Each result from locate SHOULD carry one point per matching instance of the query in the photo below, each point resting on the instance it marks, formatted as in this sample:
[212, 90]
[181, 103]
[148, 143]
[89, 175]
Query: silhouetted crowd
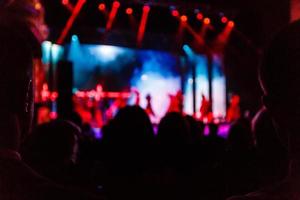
[131, 161]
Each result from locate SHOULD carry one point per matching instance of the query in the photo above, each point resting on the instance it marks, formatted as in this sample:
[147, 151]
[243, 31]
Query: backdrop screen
[153, 72]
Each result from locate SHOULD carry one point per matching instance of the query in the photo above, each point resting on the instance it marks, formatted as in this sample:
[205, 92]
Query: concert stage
[136, 73]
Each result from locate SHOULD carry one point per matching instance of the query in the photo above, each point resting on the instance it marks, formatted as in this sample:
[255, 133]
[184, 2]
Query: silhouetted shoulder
[285, 190]
[18, 181]
[252, 196]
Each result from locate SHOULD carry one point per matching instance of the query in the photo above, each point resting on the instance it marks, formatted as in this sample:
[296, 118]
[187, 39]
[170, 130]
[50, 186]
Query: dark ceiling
[254, 20]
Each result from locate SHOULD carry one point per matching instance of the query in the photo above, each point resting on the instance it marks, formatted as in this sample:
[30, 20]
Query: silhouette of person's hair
[52, 143]
[127, 153]
[131, 126]
[196, 128]
[173, 129]
[128, 136]
[15, 86]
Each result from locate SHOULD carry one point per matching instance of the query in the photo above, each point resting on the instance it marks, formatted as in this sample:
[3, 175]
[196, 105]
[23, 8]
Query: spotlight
[199, 16]
[74, 38]
[231, 24]
[116, 4]
[65, 2]
[146, 8]
[144, 77]
[206, 21]
[101, 7]
[175, 13]
[38, 6]
[184, 18]
[129, 11]
[224, 20]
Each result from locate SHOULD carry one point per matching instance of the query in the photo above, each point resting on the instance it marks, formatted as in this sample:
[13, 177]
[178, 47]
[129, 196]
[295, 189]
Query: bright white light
[46, 46]
[159, 87]
[144, 77]
[219, 96]
[57, 52]
[107, 53]
[202, 88]
[74, 38]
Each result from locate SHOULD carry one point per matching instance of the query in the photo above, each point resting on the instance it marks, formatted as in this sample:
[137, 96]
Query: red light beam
[185, 25]
[143, 23]
[198, 38]
[112, 14]
[70, 21]
[223, 38]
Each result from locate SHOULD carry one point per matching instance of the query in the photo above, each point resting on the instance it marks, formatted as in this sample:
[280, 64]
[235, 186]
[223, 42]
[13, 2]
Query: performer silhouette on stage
[149, 109]
[234, 111]
[205, 109]
[137, 96]
[176, 102]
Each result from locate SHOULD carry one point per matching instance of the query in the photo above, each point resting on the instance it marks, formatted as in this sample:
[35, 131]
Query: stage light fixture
[116, 4]
[146, 8]
[129, 11]
[74, 38]
[184, 18]
[199, 16]
[224, 20]
[231, 24]
[175, 13]
[102, 7]
[38, 6]
[206, 21]
[65, 2]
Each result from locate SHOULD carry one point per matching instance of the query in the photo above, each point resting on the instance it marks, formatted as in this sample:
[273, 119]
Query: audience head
[53, 143]
[213, 130]
[196, 128]
[131, 126]
[18, 47]
[173, 129]
[280, 79]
